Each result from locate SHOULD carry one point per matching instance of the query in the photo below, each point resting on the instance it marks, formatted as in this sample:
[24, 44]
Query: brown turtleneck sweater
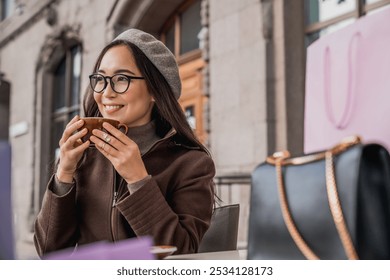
[144, 136]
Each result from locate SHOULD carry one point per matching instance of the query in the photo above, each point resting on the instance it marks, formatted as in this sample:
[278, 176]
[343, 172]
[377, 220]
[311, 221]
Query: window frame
[174, 21]
[65, 113]
[361, 9]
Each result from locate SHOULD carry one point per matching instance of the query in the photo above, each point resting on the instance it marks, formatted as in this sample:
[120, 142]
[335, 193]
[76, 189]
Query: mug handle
[125, 127]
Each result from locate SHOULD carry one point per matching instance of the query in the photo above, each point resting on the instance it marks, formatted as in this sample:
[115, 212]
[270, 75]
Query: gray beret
[158, 54]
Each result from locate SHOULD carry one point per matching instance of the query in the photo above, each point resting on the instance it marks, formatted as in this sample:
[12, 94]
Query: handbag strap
[335, 208]
[288, 220]
[282, 158]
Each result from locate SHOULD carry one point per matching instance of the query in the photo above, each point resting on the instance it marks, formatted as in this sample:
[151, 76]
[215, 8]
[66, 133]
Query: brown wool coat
[174, 206]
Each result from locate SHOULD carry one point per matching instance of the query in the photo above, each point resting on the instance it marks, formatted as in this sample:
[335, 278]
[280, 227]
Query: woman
[157, 180]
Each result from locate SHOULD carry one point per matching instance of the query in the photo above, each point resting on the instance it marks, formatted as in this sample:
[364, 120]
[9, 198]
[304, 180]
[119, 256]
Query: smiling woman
[156, 180]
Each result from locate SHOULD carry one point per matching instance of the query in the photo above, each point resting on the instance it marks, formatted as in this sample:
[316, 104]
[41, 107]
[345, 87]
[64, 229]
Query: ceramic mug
[92, 123]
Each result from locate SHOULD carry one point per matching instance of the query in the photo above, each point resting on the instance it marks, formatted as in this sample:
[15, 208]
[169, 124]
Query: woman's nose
[109, 91]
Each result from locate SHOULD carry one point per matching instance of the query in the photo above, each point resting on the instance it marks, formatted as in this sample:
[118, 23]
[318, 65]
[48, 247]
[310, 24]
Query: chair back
[223, 231]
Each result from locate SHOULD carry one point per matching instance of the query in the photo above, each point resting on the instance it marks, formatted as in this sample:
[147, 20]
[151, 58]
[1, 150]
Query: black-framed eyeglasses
[119, 82]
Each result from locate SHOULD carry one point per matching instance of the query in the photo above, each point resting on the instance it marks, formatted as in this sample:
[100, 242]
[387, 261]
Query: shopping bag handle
[345, 118]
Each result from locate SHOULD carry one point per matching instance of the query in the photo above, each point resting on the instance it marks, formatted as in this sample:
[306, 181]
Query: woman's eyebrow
[124, 70]
[118, 71]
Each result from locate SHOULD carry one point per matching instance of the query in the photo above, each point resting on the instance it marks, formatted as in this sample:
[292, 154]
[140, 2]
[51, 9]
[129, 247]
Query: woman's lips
[112, 108]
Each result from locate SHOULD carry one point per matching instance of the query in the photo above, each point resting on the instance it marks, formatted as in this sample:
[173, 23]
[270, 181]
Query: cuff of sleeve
[59, 188]
[137, 185]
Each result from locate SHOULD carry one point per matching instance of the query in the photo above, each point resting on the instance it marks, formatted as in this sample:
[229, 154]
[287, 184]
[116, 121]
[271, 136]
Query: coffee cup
[92, 123]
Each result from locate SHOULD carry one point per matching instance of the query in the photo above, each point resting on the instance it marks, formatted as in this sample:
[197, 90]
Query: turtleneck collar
[144, 136]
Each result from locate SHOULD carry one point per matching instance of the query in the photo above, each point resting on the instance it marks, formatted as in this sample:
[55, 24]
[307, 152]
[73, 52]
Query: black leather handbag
[333, 204]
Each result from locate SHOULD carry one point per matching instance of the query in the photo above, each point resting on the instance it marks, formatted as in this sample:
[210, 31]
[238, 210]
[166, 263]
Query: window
[66, 95]
[6, 8]
[189, 28]
[180, 34]
[325, 16]
[5, 89]
[190, 115]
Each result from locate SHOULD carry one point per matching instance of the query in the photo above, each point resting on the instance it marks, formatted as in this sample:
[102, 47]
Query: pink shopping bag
[348, 84]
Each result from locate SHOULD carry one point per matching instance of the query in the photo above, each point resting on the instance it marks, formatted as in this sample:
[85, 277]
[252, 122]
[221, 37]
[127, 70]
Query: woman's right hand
[71, 149]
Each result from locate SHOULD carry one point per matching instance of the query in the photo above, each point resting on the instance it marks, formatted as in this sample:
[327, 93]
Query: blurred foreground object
[6, 232]
[127, 249]
[333, 204]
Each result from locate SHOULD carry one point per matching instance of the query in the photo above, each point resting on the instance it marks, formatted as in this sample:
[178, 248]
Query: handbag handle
[335, 208]
[348, 108]
[279, 159]
[288, 220]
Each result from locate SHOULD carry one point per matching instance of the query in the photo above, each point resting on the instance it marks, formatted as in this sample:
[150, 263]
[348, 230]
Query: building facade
[242, 65]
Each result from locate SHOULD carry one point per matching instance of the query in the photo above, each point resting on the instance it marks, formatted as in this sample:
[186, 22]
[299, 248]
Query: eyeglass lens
[119, 83]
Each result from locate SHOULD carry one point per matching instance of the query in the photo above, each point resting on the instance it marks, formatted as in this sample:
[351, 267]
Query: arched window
[58, 101]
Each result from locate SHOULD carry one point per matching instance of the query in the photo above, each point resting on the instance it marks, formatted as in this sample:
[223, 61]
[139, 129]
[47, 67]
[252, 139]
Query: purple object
[6, 232]
[128, 249]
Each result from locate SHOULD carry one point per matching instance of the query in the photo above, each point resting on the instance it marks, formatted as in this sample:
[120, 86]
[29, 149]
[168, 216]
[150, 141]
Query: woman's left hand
[121, 151]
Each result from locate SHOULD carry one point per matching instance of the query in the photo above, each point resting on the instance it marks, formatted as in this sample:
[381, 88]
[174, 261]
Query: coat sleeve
[56, 224]
[182, 218]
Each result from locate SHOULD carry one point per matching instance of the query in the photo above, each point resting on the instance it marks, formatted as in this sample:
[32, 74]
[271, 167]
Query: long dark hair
[166, 112]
